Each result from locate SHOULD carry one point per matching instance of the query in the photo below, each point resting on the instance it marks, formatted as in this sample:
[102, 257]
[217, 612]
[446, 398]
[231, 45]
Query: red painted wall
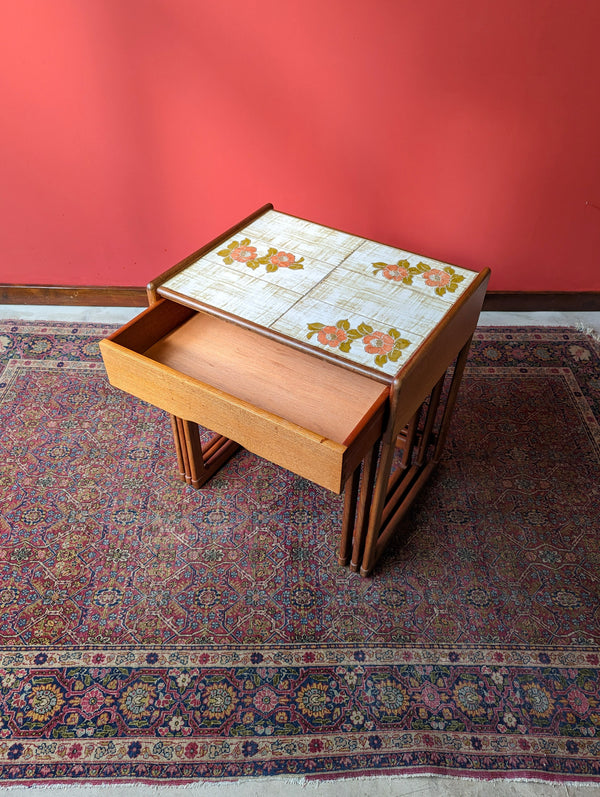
[134, 130]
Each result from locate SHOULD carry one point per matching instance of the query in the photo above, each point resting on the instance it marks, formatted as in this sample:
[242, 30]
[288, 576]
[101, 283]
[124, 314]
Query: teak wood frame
[407, 411]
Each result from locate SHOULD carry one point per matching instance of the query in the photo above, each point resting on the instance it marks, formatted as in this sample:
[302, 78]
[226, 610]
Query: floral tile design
[371, 303]
[384, 346]
[365, 340]
[441, 279]
[422, 274]
[243, 252]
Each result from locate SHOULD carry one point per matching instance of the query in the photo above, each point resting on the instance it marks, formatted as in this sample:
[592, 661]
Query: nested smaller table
[328, 354]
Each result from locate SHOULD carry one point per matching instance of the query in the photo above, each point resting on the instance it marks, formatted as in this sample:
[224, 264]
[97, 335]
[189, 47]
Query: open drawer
[295, 409]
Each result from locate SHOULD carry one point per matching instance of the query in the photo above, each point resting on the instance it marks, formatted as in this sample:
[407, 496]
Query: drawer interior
[303, 389]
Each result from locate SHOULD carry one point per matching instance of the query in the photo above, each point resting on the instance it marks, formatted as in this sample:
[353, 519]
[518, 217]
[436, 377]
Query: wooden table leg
[184, 451]
[203, 461]
[349, 519]
[178, 448]
[394, 494]
[366, 496]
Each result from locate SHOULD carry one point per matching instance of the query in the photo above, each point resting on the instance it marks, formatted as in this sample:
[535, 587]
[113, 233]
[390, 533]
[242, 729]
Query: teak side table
[334, 356]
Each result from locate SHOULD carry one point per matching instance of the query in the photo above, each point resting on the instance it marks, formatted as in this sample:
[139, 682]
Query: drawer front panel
[312, 456]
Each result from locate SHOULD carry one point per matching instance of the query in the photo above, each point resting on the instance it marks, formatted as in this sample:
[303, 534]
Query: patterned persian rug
[152, 632]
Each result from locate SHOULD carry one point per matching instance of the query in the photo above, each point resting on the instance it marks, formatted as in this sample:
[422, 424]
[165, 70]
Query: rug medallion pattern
[152, 632]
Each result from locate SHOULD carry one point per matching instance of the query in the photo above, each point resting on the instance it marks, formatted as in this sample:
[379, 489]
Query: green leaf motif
[343, 324]
[296, 266]
[245, 242]
[365, 329]
[393, 333]
[316, 327]
[345, 346]
[271, 267]
[395, 355]
[381, 360]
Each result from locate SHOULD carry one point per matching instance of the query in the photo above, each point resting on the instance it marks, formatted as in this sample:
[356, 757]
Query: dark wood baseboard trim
[75, 295]
[542, 301]
[500, 301]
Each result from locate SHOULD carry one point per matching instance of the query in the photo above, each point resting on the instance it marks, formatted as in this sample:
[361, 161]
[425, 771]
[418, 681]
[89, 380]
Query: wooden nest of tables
[326, 353]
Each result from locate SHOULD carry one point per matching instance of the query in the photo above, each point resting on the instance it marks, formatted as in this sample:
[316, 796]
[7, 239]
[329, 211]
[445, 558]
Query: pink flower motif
[92, 701]
[436, 278]
[191, 750]
[378, 343]
[283, 259]
[265, 700]
[579, 702]
[394, 271]
[75, 751]
[331, 336]
[431, 698]
[243, 253]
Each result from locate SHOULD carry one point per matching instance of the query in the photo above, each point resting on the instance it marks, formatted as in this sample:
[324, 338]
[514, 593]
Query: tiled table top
[368, 303]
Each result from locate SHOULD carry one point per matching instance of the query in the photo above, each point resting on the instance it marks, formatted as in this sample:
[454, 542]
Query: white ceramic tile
[237, 293]
[351, 335]
[389, 303]
[309, 239]
[306, 271]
